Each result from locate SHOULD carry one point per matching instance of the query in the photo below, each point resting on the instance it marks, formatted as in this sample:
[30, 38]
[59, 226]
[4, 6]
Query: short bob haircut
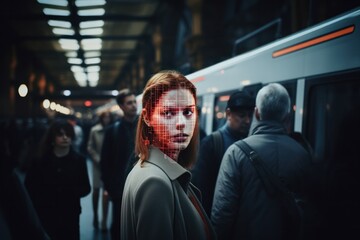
[157, 85]
[53, 131]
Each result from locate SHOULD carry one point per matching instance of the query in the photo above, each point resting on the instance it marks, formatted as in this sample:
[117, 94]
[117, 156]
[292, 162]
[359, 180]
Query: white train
[320, 68]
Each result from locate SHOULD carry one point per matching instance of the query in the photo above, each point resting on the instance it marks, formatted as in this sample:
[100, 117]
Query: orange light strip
[198, 79]
[314, 41]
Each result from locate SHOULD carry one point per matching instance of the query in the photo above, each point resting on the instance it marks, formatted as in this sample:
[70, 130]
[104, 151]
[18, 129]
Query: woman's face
[62, 139]
[173, 120]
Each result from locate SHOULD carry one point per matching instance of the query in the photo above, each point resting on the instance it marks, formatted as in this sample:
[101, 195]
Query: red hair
[157, 85]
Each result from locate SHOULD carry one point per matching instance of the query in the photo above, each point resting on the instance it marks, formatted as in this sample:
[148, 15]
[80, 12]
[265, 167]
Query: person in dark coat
[18, 218]
[57, 181]
[117, 148]
[242, 209]
[239, 111]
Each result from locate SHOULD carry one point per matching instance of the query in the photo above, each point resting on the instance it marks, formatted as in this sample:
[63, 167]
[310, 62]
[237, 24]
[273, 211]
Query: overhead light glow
[46, 103]
[69, 44]
[23, 90]
[91, 44]
[114, 92]
[62, 24]
[86, 3]
[67, 92]
[93, 77]
[72, 54]
[56, 12]
[63, 31]
[76, 69]
[75, 61]
[91, 12]
[91, 31]
[92, 24]
[92, 60]
[92, 54]
[61, 3]
[95, 68]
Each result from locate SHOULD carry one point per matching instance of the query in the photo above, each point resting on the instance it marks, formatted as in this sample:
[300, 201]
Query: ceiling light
[92, 24]
[62, 24]
[76, 69]
[72, 54]
[56, 12]
[93, 84]
[92, 54]
[67, 92]
[92, 60]
[93, 77]
[80, 76]
[74, 60]
[91, 31]
[92, 12]
[86, 3]
[95, 68]
[62, 31]
[61, 3]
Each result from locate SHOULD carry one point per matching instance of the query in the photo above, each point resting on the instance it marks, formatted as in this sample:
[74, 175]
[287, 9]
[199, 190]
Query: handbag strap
[271, 182]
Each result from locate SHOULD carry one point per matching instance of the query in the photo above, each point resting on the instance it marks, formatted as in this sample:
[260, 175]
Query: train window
[291, 89]
[220, 110]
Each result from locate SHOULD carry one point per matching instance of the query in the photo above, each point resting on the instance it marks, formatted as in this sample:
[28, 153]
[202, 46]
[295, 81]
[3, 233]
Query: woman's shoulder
[149, 173]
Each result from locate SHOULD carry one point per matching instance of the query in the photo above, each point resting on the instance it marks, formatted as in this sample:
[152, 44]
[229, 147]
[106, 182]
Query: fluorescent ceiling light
[91, 24]
[67, 92]
[87, 3]
[74, 61]
[56, 12]
[91, 31]
[80, 76]
[92, 54]
[69, 44]
[95, 68]
[92, 61]
[81, 83]
[76, 69]
[93, 77]
[72, 54]
[61, 3]
[62, 24]
[93, 84]
[92, 12]
[63, 31]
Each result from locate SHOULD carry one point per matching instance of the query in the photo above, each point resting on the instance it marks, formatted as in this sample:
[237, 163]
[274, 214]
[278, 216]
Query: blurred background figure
[57, 181]
[18, 218]
[94, 146]
[79, 134]
[117, 150]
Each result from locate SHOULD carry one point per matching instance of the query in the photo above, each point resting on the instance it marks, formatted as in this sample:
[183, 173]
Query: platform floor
[87, 231]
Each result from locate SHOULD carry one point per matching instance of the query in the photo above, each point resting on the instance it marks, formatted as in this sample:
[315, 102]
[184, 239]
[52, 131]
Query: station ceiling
[118, 30]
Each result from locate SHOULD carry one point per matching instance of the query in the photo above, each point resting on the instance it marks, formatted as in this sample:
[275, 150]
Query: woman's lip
[180, 138]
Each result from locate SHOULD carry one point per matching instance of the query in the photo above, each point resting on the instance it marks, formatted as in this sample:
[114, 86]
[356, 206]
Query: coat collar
[171, 168]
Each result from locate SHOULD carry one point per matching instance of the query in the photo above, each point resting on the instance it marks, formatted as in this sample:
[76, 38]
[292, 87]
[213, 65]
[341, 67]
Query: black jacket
[242, 209]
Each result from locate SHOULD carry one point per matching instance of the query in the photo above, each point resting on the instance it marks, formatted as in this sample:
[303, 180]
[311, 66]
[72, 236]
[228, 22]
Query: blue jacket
[242, 209]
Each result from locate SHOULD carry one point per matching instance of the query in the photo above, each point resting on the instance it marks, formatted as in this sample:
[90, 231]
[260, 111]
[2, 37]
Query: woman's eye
[168, 113]
[188, 112]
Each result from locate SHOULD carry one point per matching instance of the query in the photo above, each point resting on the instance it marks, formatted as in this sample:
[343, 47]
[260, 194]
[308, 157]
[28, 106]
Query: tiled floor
[87, 231]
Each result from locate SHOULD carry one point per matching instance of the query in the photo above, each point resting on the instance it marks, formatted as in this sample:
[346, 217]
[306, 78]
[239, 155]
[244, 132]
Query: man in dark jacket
[117, 147]
[239, 111]
[242, 209]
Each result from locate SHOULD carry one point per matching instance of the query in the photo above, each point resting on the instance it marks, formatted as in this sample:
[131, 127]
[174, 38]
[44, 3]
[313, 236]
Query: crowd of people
[163, 180]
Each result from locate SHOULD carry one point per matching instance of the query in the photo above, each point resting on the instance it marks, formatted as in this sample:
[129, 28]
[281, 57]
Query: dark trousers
[116, 215]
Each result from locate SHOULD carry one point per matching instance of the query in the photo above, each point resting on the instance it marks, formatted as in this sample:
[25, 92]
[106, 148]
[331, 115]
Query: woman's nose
[180, 124]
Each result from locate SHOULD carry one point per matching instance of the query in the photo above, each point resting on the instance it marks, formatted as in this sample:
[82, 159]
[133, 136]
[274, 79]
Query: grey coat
[241, 208]
[156, 203]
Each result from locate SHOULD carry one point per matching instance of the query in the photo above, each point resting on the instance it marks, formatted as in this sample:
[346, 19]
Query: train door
[332, 126]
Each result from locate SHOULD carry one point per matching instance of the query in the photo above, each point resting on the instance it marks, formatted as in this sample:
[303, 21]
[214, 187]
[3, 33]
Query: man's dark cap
[240, 100]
